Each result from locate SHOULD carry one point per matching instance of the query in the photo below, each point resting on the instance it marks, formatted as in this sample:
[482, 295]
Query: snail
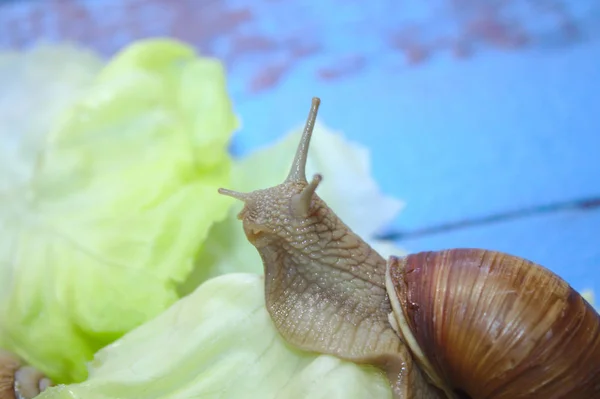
[456, 323]
[19, 381]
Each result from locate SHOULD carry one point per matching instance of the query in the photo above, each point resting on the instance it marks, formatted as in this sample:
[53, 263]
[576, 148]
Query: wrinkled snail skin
[451, 324]
[318, 302]
[324, 286]
[19, 381]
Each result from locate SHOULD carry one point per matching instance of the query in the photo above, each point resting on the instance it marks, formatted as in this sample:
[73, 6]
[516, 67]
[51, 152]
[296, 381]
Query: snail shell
[19, 381]
[485, 324]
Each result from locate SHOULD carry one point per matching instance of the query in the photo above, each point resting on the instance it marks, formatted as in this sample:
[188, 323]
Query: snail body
[460, 323]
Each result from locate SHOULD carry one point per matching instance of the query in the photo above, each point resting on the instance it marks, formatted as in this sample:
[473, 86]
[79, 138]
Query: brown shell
[491, 325]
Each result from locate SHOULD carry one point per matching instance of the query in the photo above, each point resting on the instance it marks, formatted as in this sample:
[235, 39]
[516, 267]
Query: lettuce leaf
[108, 196]
[347, 185]
[588, 295]
[28, 89]
[218, 342]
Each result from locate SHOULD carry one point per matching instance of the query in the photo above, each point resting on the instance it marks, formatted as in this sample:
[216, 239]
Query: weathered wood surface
[483, 116]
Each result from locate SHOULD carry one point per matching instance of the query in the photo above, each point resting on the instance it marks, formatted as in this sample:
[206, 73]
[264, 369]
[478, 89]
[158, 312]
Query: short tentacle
[301, 202]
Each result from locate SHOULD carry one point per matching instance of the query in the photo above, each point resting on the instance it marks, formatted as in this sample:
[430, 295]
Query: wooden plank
[495, 134]
[565, 242]
[466, 116]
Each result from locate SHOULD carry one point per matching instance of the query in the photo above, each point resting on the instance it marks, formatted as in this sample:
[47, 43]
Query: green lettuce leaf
[108, 196]
[347, 185]
[588, 295]
[218, 342]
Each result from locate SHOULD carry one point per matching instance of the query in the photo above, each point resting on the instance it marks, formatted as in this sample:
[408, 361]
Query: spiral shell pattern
[490, 325]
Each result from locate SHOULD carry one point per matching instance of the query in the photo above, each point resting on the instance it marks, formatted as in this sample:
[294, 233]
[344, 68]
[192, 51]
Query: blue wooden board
[459, 140]
[472, 110]
[557, 241]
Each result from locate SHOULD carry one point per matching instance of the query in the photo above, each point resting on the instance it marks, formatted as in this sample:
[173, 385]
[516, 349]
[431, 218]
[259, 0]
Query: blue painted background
[484, 116]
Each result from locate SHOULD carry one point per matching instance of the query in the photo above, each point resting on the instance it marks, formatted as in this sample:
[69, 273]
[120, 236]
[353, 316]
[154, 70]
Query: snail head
[281, 212]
